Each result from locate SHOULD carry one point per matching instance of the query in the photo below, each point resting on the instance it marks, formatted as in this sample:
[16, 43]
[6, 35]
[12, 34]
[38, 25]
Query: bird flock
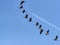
[37, 23]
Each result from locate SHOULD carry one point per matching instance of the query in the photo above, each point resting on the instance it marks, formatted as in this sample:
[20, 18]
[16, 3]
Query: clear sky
[16, 30]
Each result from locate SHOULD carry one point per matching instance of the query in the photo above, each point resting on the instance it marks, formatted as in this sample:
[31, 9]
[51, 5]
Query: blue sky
[16, 30]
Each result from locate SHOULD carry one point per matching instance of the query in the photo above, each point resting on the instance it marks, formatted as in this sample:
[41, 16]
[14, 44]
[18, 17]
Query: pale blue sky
[16, 30]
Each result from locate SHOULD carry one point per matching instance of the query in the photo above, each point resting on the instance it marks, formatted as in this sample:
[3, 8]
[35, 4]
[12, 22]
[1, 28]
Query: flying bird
[26, 16]
[40, 26]
[41, 31]
[22, 2]
[56, 38]
[23, 11]
[47, 32]
[30, 19]
[20, 7]
[37, 24]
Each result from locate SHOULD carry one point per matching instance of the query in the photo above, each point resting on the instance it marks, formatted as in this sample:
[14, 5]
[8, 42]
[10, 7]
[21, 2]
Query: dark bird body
[56, 38]
[41, 31]
[47, 32]
[37, 24]
[23, 11]
[26, 16]
[20, 7]
[22, 2]
[30, 19]
[40, 26]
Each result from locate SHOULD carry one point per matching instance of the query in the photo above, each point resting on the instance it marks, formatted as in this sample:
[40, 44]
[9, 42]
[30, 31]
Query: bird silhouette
[37, 24]
[22, 2]
[56, 38]
[23, 11]
[41, 31]
[30, 19]
[20, 7]
[40, 26]
[26, 16]
[47, 32]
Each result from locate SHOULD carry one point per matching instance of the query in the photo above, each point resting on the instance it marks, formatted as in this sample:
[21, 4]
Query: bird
[41, 31]
[20, 7]
[22, 2]
[23, 11]
[37, 24]
[30, 19]
[26, 16]
[47, 32]
[40, 26]
[56, 38]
